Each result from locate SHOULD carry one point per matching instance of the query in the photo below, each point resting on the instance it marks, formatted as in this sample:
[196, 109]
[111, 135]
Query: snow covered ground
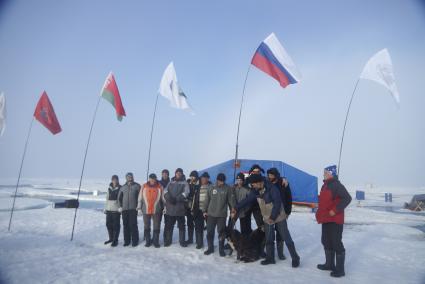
[384, 243]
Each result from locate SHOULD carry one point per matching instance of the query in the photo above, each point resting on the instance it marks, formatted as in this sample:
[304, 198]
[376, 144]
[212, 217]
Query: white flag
[379, 68]
[170, 89]
[2, 114]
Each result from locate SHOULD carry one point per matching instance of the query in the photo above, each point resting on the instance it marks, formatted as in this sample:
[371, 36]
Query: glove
[120, 209]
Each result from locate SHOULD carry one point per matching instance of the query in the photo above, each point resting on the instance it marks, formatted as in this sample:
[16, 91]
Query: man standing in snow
[199, 197]
[333, 199]
[193, 185]
[175, 195]
[128, 198]
[218, 199]
[165, 180]
[111, 211]
[268, 197]
[150, 205]
[273, 176]
[241, 192]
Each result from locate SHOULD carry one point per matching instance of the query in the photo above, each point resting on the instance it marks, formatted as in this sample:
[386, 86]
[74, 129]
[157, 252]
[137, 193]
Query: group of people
[196, 204]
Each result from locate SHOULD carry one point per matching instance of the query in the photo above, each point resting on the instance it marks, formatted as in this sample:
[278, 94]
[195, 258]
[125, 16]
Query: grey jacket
[218, 199]
[128, 196]
[240, 193]
[111, 204]
[175, 196]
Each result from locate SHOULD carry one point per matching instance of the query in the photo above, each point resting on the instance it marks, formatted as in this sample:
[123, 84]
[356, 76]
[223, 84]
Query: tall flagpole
[239, 124]
[345, 124]
[84, 164]
[150, 141]
[20, 171]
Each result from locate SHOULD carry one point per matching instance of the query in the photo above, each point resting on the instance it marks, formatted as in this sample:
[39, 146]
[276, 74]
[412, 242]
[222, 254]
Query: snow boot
[155, 239]
[148, 240]
[182, 237]
[221, 248]
[210, 249]
[269, 255]
[279, 246]
[294, 255]
[330, 261]
[339, 267]
[199, 239]
[111, 237]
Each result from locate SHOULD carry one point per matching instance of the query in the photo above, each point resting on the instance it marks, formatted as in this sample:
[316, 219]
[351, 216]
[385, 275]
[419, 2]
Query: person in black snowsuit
[199, 195]
[165, 180]
[111, 210]
[193, 182]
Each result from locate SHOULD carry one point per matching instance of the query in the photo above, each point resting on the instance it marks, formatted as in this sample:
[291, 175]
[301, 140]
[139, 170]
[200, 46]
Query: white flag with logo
[379, 68]
[170, 89]
[2, 114]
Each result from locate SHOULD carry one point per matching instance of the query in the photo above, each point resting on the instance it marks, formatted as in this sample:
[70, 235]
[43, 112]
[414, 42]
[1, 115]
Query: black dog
[248, 247]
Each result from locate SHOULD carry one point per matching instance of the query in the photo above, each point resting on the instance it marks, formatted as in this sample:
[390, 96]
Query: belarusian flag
[111, 94]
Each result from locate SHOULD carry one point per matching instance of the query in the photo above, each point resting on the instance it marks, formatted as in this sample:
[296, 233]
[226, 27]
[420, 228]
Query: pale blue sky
[68, 47]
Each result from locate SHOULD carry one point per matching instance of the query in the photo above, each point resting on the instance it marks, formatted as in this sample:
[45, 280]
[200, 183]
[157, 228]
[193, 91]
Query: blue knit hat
[332, 170]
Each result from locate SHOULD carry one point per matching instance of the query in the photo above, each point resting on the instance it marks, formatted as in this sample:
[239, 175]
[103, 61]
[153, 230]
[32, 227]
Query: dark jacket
[112, 203]
[286, 195]
[333, 196]
[270, 194]
[175, 195]
[128, 196]
[164, 182]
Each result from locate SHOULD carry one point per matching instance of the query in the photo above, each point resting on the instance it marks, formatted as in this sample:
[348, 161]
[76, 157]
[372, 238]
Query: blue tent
[303, 185]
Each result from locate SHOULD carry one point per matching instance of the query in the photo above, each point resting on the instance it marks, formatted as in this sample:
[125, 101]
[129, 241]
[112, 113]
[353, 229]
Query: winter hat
[332, 170]
[152, 176]
[256, 166]
[179, 170]
[240, 176]
[273, 171]
[221, 177]
[165, 171]
[129, 175]
[205, 175]
[194, 174]
[254, 178]
[115, 177]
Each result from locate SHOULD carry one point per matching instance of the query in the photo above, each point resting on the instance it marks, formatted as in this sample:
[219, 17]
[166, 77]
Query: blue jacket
[270, 195]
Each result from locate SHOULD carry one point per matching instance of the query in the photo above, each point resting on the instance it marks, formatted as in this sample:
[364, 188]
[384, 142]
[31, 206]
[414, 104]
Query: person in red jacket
[333, 199]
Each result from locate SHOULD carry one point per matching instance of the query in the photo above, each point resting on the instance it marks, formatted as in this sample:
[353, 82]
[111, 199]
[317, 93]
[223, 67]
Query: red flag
[45, 114]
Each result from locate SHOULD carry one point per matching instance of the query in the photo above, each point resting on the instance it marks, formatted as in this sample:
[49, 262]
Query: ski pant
[190, 224]
[113, 225]
[155, 218]
[131, 231]
[332, 237]
[212, 223]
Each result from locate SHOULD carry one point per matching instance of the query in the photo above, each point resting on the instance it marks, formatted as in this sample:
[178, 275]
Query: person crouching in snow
[218, 199]
[111, 211]
[150, 205]
[333, 199]
[127, 198]
[269, 199]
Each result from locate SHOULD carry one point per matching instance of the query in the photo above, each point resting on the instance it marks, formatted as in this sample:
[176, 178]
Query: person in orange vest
[333, 200]
[150, 205]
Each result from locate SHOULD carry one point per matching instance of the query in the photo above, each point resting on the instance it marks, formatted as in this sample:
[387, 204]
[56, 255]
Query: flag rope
[84, 164]
[19, 175]
[239, 124]
[345, 124]
[150, 141]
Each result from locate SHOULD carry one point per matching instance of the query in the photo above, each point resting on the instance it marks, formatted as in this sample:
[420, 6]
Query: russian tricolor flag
[273, 59]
